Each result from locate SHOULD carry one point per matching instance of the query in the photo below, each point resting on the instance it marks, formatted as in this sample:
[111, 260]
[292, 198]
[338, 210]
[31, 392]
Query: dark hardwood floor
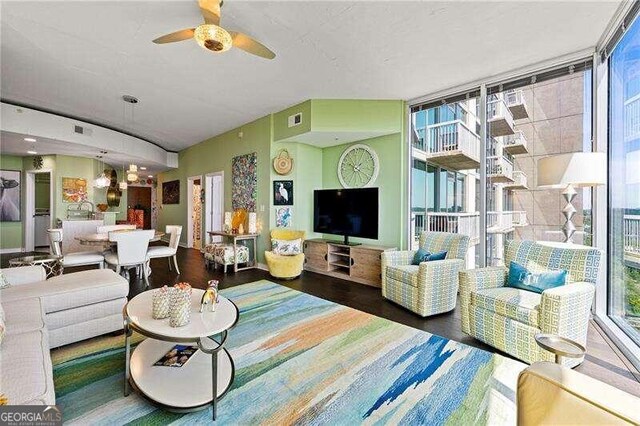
[603, 360]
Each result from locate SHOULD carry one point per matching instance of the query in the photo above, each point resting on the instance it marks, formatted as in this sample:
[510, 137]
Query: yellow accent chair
[285, 267]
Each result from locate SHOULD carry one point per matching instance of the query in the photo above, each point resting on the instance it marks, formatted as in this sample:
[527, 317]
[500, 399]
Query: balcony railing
[515, 144]
[499, 169]
[499, 222]
[631, 232]
[452, 145]
[519, 181]
[499, 118]
[519, 218]
[517, 104]
[457, 223]
[632, 118]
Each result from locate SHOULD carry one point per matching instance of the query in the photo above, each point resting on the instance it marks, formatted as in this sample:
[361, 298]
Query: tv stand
[347, 243]
[353, 262]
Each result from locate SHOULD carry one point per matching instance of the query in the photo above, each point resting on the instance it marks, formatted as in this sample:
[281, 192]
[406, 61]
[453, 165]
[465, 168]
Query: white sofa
[41, 314]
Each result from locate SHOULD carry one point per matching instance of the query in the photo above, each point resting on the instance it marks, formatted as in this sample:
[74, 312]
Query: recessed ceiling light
[30, 140]
[143, 168]
[150, 176]
[32, 152]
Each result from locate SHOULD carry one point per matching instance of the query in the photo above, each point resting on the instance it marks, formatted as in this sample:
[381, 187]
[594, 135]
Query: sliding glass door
[624, 184]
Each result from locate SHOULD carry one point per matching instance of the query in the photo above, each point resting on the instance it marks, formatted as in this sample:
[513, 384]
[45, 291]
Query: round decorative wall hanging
[358, 166]
[283, 163]
[38, 162]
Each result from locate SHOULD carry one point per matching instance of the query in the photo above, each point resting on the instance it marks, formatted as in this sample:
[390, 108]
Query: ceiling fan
[213, 37]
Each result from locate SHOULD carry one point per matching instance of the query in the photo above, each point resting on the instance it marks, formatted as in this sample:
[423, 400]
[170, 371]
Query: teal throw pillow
[424, 256]
[523, 279]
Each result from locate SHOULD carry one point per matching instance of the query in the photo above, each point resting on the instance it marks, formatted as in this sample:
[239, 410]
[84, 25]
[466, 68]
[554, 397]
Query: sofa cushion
[520, 305]
[72, 290]
[404, 273]
[25, 363]
[24, 315]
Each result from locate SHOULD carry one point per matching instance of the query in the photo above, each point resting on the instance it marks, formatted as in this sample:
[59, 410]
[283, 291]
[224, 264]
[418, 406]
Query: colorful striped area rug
[300, 359]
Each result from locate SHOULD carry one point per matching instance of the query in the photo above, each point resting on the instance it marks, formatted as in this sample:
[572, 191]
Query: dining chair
[131, 251]
[82, 258]
[105, 229]
[174, 232]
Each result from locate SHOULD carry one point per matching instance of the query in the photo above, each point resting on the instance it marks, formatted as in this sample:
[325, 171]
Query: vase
[180, 311]
[161, 301]
[253, 223]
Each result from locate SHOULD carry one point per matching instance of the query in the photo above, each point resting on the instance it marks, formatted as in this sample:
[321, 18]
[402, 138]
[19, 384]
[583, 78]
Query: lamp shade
[579, 169]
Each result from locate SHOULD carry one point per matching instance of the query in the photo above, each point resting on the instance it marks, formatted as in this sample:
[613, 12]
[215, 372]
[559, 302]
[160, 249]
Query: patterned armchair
[431, 287]
[508, 318]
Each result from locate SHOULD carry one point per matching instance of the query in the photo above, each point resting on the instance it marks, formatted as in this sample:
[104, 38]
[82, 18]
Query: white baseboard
[12, 250]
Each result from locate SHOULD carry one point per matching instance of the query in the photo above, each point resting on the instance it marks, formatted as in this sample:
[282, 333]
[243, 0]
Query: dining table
[103, 239]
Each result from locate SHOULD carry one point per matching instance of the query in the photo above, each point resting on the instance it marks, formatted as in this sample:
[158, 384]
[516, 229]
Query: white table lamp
[568, 171]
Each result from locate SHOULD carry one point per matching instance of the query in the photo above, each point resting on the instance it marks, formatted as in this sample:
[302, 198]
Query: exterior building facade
[524, 124]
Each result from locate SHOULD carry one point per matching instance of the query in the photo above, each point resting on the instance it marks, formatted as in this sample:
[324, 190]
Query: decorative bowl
[102, 207]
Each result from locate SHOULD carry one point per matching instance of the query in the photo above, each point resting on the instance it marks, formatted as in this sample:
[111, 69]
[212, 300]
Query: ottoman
[222, 254]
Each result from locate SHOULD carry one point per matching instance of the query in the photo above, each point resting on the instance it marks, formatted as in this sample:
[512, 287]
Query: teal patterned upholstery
[431, 287]
[509, 319]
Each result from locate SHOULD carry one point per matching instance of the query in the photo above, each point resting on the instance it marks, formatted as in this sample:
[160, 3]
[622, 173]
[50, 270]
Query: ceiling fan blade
[177, 36]
[246, 43]
[210, 10]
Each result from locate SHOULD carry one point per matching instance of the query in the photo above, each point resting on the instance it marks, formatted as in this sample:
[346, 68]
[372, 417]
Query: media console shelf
[355, 263]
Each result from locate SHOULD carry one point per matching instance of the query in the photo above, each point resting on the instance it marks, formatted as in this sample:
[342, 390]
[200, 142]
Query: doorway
[38, 200]
[194, 212]
[139, 198]
[214, 203]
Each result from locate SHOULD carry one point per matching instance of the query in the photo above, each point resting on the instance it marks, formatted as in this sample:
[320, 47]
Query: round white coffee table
[209, 372]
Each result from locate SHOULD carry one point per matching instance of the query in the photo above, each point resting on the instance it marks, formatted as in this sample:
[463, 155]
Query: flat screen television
[346, 212]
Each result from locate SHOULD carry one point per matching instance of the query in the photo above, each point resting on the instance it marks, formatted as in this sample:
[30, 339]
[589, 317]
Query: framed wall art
[171, 192]
[282, 192]
[10, 208]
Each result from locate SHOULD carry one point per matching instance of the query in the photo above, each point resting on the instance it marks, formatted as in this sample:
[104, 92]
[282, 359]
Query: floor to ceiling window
[549, 116]
[445, 155]
[624, 184]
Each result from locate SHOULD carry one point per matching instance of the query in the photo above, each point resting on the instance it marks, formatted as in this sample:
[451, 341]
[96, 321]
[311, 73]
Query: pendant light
[132, 173]
[102, 181]
[123, 182]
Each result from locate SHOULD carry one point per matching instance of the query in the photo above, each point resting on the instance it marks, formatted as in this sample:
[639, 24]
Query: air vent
[295, 119]
[82, 130]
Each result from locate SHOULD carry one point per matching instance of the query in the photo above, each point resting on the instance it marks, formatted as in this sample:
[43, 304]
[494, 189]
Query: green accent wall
[281, 129]
[11, 232]
[214, 155]
[306, 176]
[392, 206]
[314, 167]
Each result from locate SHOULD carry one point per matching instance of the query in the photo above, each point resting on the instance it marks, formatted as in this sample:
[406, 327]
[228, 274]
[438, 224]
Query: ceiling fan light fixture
[213, 38]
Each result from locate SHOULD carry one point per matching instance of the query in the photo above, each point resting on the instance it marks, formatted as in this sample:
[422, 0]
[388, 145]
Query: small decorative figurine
[210, 296]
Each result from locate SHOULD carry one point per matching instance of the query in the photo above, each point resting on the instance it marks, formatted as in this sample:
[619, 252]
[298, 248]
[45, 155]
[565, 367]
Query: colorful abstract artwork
[74, 190]
[10, 196]
[171, 192]
[283, 217]
[244, 182]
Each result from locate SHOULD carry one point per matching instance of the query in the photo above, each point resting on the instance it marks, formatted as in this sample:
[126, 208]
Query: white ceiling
[14, 144]
[79, 58]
